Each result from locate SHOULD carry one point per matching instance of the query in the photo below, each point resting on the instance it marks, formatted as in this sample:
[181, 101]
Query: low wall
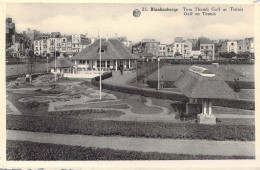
[90, 76]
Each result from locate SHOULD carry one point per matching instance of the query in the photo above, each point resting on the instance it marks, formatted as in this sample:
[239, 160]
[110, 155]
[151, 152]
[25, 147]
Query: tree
[29, 53]
[227, 55]
[57, 53]
[9, 52]
[65, 55]
[200, 57]
[244, 55]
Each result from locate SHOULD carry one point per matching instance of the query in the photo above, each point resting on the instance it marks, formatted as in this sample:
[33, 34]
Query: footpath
[192, 147]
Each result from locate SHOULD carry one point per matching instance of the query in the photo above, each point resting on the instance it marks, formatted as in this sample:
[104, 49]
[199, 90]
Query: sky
[118, 19]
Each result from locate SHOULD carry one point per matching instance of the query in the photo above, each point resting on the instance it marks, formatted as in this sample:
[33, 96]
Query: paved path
[11, 109]
[118, 79]
[193, 147]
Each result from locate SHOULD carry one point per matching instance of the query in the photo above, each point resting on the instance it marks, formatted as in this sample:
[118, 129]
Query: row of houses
[201, 48]
[86, 63]
[237, 46]
[68, 45]
[179, 49]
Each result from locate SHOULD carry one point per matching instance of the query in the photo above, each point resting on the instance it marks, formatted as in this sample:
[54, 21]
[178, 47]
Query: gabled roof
[61, 63]
[114, 50]
[194, 85]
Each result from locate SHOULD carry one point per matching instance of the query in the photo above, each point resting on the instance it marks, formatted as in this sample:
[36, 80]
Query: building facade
[113, 53]
[245, 45]
[162, 50]
[207, 51]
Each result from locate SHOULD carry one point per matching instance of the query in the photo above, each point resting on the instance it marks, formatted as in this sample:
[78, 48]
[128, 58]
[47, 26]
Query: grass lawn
[137, 102]
[20, 150]
[247, 94]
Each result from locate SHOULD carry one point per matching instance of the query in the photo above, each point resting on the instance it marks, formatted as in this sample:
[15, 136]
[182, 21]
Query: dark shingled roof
[61, 63]
[114, 50]
[194, 85]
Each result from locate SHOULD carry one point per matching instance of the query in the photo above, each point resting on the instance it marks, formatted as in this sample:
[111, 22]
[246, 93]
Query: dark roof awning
[196, 85]
[114, 50]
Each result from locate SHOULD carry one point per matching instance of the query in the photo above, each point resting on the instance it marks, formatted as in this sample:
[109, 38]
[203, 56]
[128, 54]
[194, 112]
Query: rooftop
[114, 50]
[200, 82]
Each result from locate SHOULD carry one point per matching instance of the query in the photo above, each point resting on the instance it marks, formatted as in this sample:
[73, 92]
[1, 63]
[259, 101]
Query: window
[232, 43]
[82, 61]
[202, 47]
[108, 63]
[177, 45]
[207, 47]
[239, 47]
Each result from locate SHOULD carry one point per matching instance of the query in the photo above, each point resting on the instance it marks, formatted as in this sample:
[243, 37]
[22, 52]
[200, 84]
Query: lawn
[139, 107]
[20, 150]
[247, 94]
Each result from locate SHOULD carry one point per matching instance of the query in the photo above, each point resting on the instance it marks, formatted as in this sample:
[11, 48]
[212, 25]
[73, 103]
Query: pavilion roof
[114, 49]
[195, 85]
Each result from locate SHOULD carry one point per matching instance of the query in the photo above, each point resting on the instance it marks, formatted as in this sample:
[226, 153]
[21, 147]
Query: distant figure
[30, 78]
[27, 77]
[162, 83]
[121, 69]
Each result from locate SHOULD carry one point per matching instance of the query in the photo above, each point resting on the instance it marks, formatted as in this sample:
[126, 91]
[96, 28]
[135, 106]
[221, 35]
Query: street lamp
[158, 73]
[227, 60]
[47, 64]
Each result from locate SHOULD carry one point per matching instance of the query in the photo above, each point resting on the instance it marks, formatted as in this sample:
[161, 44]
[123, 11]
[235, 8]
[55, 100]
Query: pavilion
[201, 85]
[113, 54]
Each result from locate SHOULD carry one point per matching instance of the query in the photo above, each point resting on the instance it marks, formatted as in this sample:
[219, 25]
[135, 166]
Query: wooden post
[210, 108]
[116, 65]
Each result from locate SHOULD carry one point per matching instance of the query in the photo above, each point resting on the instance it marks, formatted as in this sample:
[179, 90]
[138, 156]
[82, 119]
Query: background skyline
[118, 18]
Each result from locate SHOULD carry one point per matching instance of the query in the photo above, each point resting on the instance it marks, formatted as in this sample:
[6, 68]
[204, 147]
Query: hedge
[240, 104]
[170, 84]
[188, 62]
[242, 84]
[65, 125]
[166, 84]
[23, 150]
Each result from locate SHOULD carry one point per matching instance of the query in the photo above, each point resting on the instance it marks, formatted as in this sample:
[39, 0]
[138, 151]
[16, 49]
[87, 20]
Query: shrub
[23, 150]
[65, 125]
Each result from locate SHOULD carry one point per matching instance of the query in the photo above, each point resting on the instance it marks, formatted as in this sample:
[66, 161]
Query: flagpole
[55, 73]
[100, 85]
